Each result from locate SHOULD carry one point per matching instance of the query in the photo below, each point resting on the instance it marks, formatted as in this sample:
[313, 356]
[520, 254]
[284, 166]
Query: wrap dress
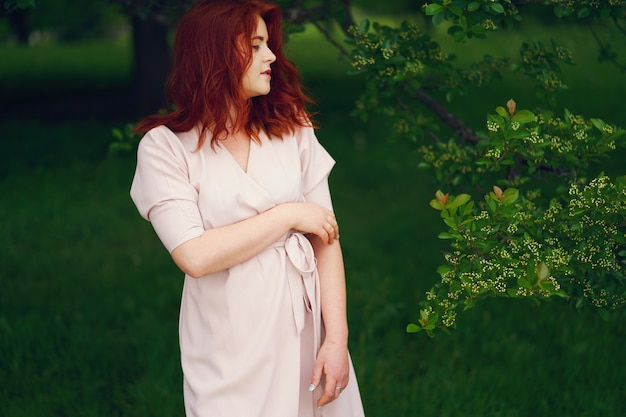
[248, 334]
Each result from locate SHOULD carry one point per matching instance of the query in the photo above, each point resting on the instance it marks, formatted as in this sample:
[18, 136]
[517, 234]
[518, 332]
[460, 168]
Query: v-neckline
[236, 161]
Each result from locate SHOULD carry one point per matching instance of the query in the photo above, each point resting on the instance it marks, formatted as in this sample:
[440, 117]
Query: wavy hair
[211, 54]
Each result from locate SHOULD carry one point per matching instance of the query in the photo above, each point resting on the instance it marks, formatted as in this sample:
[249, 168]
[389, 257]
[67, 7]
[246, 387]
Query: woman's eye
[256, 47]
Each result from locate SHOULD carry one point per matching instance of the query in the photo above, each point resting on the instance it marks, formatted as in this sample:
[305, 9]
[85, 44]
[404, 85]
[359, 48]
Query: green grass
[89, 297]
[76, 311]
[63, 68]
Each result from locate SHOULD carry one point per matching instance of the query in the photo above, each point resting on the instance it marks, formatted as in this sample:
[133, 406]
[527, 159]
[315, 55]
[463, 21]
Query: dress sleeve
[161, 189]
[316, 165]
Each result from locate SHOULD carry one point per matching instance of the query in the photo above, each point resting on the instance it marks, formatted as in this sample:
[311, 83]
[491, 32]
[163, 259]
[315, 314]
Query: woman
[235, 184]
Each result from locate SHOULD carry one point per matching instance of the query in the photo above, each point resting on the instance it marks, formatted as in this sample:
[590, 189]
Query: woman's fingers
[332, 227]
[332, 231]
[331, 366]
[332, 390]
[328, 227]
[318, 220]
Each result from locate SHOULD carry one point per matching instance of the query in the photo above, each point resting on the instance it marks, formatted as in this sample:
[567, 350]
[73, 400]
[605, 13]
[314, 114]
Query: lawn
[89, 298]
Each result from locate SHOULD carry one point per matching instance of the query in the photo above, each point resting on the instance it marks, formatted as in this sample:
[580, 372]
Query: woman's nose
[270, 56]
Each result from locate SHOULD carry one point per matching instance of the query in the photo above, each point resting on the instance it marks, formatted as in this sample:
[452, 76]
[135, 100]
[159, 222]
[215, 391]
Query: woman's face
[256, 79]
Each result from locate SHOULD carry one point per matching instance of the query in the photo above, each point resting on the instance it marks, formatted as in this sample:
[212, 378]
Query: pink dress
[248, 334]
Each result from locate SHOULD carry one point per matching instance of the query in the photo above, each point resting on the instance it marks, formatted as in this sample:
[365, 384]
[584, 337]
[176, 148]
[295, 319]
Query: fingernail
[311, 387]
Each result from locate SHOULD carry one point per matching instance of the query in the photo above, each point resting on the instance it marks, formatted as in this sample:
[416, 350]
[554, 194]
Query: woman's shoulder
[301, 133]
[163, 137]
[305, 136]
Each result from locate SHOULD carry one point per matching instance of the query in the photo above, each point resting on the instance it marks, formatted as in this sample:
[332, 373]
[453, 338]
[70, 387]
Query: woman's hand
[315, 219]
[333, 363]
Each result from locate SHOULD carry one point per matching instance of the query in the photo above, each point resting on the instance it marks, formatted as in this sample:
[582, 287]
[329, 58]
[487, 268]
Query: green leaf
[451, 224]
[583, 12]
[497, 7]
[599, 124]
[413, 328]
[454, 29]
[510, 196]
[605, 12]
[462, 199]
[456, 10]
[502, 112]
[543, 272]
[442, 269]
[437, 205]
[396, 60]
[459, 36]
[478, 29]
[473, 6]
[523, 116]
[120, 147]
[433, 9]
[561, 11]
[517, 134]
[467, 221]
[467, 210]
[438, 19]
[603, 313]
[117, 133]
[446, 235]
[364, 25]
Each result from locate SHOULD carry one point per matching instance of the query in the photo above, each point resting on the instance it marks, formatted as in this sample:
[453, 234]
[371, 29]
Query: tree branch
[348, 20]
[407, 109]
[619, 26]
[300, 15]
[343, 53]
[611, 58]
[456, 124]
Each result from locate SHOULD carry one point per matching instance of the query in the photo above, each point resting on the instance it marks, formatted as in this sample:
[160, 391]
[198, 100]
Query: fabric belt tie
[303, 289]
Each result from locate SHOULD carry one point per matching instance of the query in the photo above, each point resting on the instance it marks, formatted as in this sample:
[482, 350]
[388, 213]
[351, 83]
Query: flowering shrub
[570, 244]
[531, 220]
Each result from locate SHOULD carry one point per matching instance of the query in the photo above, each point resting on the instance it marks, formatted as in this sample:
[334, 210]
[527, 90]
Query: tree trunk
[18, 25]
[151, 65]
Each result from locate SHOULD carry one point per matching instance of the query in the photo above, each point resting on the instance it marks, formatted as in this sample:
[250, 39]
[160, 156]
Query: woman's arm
[223, 247]
[332, 360]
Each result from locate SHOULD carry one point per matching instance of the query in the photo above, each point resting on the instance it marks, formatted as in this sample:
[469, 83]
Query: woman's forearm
[332, 290]
[223, 247]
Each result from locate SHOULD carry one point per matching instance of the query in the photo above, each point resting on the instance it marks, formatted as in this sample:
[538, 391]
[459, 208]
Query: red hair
[212, 51]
